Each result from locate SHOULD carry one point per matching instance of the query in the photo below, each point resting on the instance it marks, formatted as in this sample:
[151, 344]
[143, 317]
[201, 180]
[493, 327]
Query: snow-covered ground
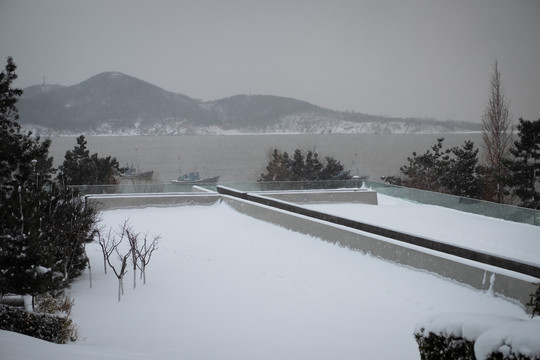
[512, 240]
[223, 285]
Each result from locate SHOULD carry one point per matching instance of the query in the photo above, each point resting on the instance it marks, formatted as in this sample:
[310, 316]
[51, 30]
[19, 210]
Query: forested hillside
[115, 103]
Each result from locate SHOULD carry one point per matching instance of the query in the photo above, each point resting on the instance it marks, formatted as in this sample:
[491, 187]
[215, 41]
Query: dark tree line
[303, 166]
[457, 170]
[508, 173]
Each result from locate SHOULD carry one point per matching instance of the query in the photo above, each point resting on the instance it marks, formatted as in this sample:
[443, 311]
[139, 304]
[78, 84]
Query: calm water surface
[243, 157]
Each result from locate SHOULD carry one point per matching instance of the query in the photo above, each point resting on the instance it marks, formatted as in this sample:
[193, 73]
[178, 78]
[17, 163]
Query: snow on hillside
[294, 124]
[223, 286]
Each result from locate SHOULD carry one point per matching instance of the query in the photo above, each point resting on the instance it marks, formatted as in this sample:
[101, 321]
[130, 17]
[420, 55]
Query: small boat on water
[193, 178]
[133, 173]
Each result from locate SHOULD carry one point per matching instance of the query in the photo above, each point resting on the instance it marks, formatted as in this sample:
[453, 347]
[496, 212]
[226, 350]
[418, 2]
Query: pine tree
[453, 171]
[76, 168]
[25, 168]
[313, 166]
[40, 223]
[26, 260]
[297, 167]
[423, 171]
[525, 165]
[81, 168]
[69, 224]
[17, 150]
[277, 168]
[281, 168]
[333, 170]
[461, 177]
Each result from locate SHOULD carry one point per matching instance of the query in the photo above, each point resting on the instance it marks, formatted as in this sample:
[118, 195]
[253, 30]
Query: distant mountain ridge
[113, 103]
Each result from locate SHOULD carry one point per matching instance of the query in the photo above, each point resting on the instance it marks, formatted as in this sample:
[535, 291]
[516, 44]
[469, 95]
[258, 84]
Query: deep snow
[223, 285]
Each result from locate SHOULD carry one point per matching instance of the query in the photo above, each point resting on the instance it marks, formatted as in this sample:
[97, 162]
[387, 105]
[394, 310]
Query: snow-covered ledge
[124, 201]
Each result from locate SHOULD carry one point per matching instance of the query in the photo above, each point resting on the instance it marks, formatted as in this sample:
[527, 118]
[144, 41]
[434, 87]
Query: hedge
[53, 328]
[475, 336]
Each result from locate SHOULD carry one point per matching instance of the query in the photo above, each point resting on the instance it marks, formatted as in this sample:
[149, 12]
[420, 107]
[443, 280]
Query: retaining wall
[123, 201]
[362, 196]
[487, 278]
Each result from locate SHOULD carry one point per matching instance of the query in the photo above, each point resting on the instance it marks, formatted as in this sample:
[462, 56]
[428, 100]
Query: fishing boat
[193, 178]
[133, 173]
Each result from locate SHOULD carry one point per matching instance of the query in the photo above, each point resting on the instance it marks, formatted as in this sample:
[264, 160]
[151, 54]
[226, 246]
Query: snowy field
[224, 286]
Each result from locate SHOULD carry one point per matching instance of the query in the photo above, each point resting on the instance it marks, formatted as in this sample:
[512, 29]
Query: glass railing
[134, 189]
[506, 212]
[486, 208]
[241, 186]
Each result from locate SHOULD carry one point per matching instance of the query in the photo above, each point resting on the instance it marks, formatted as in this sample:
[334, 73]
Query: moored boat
[133, 173]
[194, 178]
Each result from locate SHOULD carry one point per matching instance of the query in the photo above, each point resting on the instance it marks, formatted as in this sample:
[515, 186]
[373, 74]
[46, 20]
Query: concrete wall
[502, 282]
[123, 201]
[362, 196]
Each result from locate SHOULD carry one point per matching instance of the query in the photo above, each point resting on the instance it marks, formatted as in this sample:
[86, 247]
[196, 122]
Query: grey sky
[427, 58]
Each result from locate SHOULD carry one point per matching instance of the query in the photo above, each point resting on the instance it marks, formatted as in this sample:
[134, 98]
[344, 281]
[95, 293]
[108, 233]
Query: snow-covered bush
[454, 336]
[53, 328]
[435, 347]
[517, 340]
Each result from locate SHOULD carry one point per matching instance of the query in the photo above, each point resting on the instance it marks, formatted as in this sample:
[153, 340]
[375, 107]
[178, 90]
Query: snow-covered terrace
[495, 256]
[224, 285]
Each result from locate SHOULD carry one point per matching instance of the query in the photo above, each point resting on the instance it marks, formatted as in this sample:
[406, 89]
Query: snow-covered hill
[117, 104]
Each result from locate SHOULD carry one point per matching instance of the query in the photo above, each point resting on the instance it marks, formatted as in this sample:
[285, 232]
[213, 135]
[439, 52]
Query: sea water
[243, 157]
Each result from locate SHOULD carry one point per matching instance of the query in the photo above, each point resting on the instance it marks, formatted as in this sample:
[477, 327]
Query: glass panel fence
[506, 212]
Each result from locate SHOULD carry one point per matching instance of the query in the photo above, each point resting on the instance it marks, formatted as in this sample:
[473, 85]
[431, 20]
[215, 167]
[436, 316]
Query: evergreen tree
[40, 223]
[424, 171]
[297, 167]
[313, 166]
[277, 168]
[525, 165]
[24, 166]
[76, 168]
[333, 170]
[27, 259]
[81, 168]
[281, 168]
[453, 171]
[17, 150]
[67, 225]
[461, 178]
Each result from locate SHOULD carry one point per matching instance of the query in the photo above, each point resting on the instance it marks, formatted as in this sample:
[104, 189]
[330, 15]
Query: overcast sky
[407, 58]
